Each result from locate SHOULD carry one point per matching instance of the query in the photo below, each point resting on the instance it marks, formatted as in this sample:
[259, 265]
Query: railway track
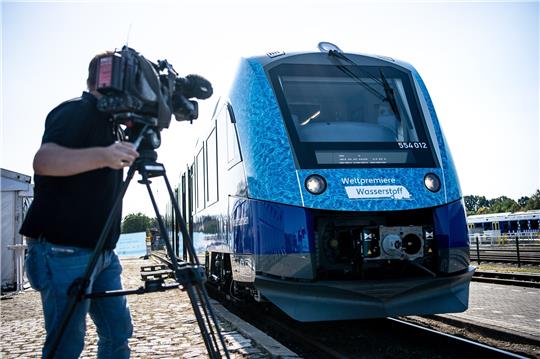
[373, 338]
[525, 254]
[517, 279]
[459, 344]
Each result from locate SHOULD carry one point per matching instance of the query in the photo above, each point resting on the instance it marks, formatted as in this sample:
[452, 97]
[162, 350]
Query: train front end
[354, 208]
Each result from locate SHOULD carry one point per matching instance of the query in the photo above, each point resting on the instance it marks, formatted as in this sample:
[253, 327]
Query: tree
[481, 205]
[503, 204]
[137, 222]
[482, 210]
[533, 202]
[522, 202]
[474, 203]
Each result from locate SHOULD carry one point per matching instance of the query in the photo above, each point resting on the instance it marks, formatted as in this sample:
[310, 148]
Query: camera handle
[191, 277]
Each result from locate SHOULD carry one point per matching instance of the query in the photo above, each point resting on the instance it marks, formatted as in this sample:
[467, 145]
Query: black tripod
[190, 276]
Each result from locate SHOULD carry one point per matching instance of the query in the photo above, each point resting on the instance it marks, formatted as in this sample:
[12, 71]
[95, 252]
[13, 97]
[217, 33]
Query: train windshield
[352, 116]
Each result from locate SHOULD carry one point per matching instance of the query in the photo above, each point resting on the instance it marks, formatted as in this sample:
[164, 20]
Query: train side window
[182, 195]
[535, 224]
[211, 168]
[513, 226]
[199, 191]
[504, 226]
[191, 188]
[233, 148]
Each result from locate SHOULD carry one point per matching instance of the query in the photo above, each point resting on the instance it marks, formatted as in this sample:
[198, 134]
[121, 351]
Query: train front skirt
[341, 300]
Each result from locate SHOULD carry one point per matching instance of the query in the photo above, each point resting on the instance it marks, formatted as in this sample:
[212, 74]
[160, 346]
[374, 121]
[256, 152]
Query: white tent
[17, 192]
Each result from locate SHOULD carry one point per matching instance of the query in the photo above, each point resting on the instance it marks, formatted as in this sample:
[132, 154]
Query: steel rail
[509, 253]
[477, 348]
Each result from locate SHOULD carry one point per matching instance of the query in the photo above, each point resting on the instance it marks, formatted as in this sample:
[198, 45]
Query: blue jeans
[51, 269]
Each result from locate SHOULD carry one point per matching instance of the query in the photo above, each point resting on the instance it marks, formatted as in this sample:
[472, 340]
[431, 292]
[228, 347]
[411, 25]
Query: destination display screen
[360, 157]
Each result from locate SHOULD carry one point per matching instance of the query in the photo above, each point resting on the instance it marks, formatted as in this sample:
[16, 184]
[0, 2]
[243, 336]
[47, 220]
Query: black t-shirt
[72, 210]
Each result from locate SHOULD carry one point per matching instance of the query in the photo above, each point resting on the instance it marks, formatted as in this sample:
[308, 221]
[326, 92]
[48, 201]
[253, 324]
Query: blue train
[324, 185]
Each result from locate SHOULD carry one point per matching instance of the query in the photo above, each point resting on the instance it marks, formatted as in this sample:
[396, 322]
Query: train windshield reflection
[327, 110]
[337, 119]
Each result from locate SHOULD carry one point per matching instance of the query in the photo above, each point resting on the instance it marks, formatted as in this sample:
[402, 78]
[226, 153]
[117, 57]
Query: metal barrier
[519, 247]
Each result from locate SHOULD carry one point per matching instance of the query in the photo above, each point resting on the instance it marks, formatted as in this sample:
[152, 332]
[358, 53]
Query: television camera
[143, 95]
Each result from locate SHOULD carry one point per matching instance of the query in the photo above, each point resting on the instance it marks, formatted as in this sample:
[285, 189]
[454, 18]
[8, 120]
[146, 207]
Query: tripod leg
[209, 313]
[78, 289]
[204, 326]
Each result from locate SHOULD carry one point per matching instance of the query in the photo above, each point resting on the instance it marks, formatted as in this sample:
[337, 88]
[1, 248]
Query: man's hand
[55, 160]
[120, 155]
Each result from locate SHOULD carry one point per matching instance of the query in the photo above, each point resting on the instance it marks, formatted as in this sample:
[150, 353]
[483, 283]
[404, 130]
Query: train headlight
[315, 184]
[432, 182]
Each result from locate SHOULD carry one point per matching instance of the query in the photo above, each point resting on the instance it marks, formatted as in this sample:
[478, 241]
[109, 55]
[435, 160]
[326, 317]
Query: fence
[519, 247]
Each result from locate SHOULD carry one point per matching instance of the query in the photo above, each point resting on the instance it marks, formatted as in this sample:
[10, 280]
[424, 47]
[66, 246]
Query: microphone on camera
[195, 86]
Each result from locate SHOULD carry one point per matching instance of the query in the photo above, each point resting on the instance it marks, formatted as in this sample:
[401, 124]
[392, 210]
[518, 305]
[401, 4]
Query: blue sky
[479, 60]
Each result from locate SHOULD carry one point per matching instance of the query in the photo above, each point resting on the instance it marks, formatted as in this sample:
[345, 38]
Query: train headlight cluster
[432, 182]
[315, 184]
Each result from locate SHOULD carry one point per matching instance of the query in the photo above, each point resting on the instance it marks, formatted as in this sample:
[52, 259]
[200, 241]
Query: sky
[479, 61]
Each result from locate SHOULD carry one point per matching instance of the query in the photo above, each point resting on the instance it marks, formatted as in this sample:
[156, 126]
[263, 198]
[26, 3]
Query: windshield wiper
[388, 91]
[352, 75]
[390, 97]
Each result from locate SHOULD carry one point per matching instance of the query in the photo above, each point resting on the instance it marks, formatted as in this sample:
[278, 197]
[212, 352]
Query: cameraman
[78, 176]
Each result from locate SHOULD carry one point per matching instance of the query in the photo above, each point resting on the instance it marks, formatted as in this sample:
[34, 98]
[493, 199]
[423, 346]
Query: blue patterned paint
[268, 159]
[453, 190]
[335, 197]
[269, 162]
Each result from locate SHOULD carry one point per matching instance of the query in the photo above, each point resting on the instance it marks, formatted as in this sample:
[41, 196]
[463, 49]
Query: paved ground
[504, 307]
[165, 326]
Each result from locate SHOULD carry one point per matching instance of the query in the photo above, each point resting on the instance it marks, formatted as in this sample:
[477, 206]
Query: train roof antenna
[327, 47]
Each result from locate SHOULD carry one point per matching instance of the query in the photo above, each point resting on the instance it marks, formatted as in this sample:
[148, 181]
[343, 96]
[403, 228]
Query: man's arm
[55, 160]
